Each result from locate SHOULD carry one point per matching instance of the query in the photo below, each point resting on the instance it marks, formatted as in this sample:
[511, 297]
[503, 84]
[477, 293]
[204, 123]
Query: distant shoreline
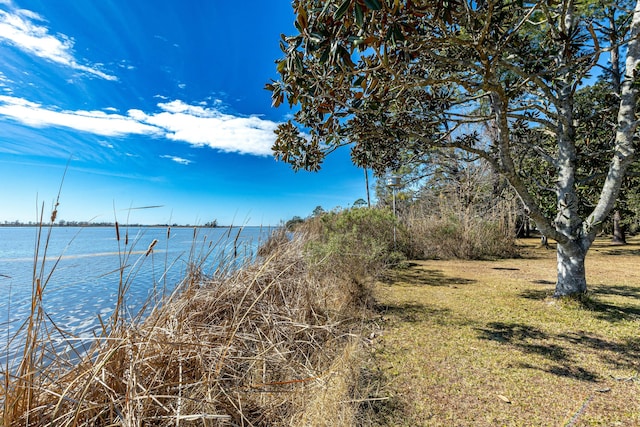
[82, 224]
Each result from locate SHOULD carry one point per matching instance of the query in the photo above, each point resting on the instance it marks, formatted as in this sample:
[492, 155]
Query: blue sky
[152, 103]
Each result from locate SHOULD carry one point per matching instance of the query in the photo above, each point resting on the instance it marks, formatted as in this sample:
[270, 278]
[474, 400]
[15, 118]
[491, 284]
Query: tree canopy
[396, 79]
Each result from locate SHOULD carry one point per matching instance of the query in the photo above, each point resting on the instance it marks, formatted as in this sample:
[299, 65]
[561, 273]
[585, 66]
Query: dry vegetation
[290, 340]
[267, 345]
[476, 343]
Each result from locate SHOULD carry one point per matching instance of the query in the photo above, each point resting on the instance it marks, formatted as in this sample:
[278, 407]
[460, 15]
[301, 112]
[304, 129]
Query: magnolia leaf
[373, 4]
[342, 10]
[302, 19]
[359, 15]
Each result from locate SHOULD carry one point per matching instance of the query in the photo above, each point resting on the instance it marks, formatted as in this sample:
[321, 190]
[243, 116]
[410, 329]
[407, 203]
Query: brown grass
[472, 343]
[267, 345]
[281, 342]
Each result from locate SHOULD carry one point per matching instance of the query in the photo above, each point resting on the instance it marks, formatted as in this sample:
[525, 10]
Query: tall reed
[239, 346]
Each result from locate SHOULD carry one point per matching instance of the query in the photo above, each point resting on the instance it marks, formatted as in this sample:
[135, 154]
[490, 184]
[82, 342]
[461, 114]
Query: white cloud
[178, 160]
[201, 126]
[18, 29]
[105, 144]
[177, 121]
[138, 115]
[30, 14]
[96, 122]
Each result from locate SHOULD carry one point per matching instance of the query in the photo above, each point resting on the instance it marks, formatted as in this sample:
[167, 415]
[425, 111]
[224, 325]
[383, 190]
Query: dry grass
[472, 343]
[267, 345]
[457, 343]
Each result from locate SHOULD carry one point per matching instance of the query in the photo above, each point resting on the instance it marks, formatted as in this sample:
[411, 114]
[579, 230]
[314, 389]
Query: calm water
[84, 282]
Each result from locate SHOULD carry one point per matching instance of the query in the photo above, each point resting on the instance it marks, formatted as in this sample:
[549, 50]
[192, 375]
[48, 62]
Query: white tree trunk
[578, 235]
[571, 273]
[573, 233]
[625, 132]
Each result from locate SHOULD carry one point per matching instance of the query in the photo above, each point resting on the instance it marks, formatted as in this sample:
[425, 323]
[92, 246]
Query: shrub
[356, 243]
[453, 230]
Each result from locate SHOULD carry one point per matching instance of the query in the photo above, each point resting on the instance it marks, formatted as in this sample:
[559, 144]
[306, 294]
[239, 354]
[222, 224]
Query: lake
[81, 272]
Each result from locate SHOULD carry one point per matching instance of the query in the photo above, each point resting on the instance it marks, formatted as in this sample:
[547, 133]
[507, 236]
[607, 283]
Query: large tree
[395, 79]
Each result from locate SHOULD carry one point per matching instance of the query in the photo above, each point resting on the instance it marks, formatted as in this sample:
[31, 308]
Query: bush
[356, 243]
[453, 229]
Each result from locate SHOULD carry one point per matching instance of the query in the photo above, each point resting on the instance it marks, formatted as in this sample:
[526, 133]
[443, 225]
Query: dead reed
[267, 344]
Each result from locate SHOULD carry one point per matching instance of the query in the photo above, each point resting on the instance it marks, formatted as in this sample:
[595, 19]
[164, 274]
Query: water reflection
[84, 269]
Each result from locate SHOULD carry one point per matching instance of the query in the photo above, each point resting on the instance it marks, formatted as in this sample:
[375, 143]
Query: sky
[154, 112]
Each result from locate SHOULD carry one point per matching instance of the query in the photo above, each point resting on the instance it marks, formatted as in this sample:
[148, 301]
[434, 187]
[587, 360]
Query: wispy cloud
[200, 126]
[178, 160]
[96, 122]
[18, 28]
[4, 80]
[105, 144]
[196, 125]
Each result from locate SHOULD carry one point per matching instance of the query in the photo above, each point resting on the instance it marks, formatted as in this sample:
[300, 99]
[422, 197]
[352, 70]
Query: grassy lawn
[479, 343]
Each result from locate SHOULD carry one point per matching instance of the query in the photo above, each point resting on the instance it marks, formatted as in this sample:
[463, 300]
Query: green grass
[477, 343]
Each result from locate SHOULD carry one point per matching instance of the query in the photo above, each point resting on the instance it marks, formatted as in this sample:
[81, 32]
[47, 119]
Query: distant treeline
[63, 223]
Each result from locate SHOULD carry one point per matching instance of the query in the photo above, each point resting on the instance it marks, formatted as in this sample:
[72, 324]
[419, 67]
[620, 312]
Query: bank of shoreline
[290, 341]
[258, 345]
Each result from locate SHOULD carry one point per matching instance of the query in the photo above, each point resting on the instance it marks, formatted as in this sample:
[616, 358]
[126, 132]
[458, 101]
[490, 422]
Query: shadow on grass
[380, 405]
[631, 249]
[624, 354]
[573, 371]
[536, 294]
[509, 332]
[423, 277]
[531, 340]
[627, 309]
[568, 371]
[543, 282]
[618, 290]
[411, 312]
[617, 312]
[611, 312]
[559, 348]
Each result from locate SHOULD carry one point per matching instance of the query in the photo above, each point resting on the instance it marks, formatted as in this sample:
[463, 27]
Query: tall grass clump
[268, 344]
[460, 234]
[355, 245]
[471, 219]
[26, 359]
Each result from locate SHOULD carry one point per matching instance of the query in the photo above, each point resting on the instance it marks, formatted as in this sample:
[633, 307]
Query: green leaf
[346, 58]
[324, 55]
[342, 10]
[359, 15]
[373, 4]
